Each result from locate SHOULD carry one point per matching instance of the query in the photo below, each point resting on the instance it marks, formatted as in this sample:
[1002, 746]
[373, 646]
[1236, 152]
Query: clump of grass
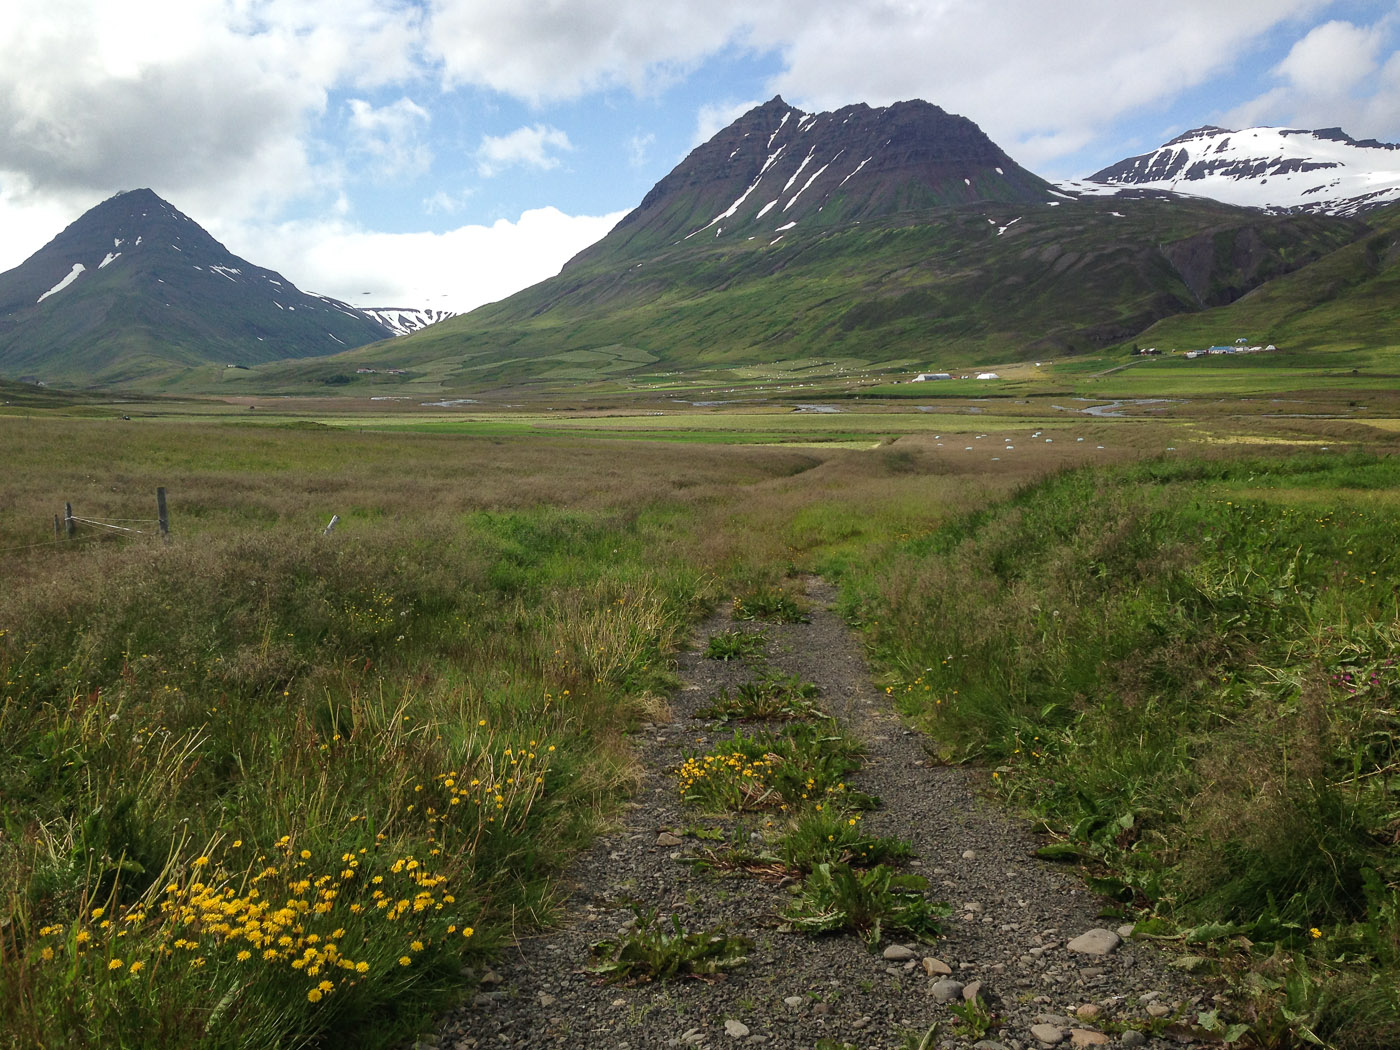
[772, 698]
[735, 645]
[650, 951]
[807, 761]
[770, 606]
[830, 834]
[839, 898]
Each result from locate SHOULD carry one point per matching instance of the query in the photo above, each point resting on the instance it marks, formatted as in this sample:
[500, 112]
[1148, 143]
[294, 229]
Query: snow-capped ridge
[1283, 169]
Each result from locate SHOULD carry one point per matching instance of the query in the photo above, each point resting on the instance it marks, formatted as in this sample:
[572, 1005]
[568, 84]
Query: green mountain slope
[1348, 301]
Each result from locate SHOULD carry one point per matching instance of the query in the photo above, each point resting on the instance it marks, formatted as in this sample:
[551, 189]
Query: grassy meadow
[266, 785]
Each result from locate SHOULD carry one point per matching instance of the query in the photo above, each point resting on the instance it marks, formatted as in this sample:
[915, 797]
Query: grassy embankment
[1189, 672]
[268, 787]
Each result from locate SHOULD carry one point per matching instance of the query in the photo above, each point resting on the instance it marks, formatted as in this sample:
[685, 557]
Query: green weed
[769, 606]
[652, 952]
[735, 645]
[839, 898]
[770, 698]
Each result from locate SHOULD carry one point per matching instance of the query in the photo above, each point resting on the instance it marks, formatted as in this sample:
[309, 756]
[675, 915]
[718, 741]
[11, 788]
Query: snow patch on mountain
[77, 269]
[406, 319]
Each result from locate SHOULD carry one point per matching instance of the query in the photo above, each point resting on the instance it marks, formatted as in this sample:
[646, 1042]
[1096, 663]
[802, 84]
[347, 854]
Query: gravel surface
[1013, 932]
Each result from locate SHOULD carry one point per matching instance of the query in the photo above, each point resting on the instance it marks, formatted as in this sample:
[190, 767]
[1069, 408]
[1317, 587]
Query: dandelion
[1315, 931]
[115, 964]
[404, 960]
[137, 966]
[314, 996]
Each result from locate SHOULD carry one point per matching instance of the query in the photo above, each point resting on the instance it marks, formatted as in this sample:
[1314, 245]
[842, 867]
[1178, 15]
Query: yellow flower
[362, 967]
[200, 862]
[244, 955]
[417, 946]
[137, 966]
[467, 931]
[46, 955]
[404, 960]
[115, 964]
[314, 996]
[97, 912]
[1315, 931]
[326, 986]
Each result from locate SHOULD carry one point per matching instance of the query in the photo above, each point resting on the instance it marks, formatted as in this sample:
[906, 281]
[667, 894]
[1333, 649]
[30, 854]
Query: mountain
[865, 238]
[1275, 168]
[777, 168]
[135, 288]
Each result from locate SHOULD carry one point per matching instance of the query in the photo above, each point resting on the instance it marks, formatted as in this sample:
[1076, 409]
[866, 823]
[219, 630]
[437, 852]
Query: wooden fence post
[163, 515]
[335, 518]
[70, 526]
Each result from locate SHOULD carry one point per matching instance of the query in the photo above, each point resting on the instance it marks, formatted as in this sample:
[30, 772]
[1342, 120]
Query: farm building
[924, 377]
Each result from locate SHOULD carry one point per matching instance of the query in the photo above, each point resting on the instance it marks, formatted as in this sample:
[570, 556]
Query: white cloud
[391, 137]
[522, 148]
[1332, 59]
[457, 270]
[638, 148]
[1338, 75]
[543, 50]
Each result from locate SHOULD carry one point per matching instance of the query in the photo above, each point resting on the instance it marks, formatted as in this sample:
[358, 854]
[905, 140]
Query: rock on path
[1015, 932]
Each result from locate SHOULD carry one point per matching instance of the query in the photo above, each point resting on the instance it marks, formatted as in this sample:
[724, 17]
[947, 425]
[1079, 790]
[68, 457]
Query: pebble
[936, 967]
[1051, 1035]
[667, 839]
[735, 1029]
[946, 991]
[794, 1001]
[969, 854]
[900, 953]
[1095, 942]
[1080, 1037]
[1158, 1009]
[1088, 1012]
[1132, 1037]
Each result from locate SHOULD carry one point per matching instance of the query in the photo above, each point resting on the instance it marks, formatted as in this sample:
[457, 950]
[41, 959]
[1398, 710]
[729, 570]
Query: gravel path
[1008, 937]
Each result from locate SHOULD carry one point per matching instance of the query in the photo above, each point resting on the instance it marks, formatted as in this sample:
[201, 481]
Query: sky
[446, 153]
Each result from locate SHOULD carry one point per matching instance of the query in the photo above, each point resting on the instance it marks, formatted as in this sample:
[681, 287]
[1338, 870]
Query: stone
[946, 990]
[491, 977]
[1158, 1009]
[899, 953]
[735, 1029]
[988, 1044]
[1089, 1012]
[1080, 1037]
[1095, 942]
[969, 854]
[547, 1000]
[1126, 930]
[1051, 1035]
[667, 839]
[794, 1001]
[821, 1009]
[971, 991]
[936, 967]
[1132, 1037]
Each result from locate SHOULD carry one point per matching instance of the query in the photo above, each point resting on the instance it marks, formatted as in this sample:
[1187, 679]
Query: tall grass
[1192, 675]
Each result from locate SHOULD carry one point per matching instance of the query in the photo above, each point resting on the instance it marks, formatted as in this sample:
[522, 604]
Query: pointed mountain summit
[776, 168]
[1281, 169]
[135, 287]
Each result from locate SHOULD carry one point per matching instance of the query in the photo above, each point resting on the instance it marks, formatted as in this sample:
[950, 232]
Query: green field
[268, 785]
